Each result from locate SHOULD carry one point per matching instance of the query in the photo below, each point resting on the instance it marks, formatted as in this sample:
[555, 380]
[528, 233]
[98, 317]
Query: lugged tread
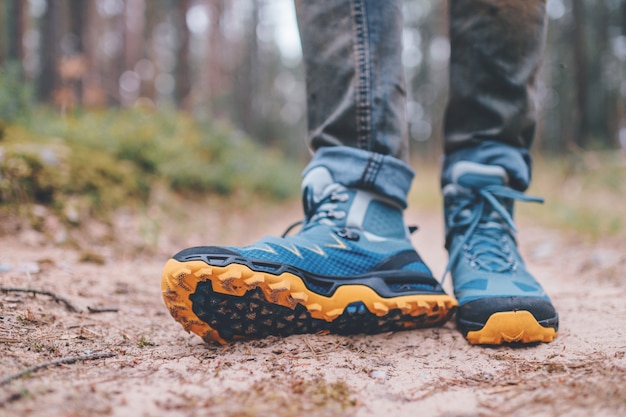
[511, 327]
[281, 305]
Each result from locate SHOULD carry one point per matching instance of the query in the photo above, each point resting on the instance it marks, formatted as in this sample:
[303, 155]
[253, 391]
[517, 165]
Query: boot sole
[511, 327]
[233, 302]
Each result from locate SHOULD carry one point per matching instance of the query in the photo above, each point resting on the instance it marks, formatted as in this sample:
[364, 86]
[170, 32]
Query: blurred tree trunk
[135, 22]
[620, 107]
[581, 74]
[94, 92]
[246, 85]
[622, 17]
[79, 16]
[147, 86]
[3, 35]
[50, 51]
[605, 116]
[216, 80]
[15, 21]
[119, 62]
[183, 70]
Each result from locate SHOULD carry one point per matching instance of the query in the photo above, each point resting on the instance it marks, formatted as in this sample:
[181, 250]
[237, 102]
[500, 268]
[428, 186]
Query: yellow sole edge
[179, 281]
[511, 327]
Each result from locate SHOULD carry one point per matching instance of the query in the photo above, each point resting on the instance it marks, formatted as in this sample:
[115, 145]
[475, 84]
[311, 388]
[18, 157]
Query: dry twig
[94, 310]
[61, 361]
[308, 343]
[55, 297]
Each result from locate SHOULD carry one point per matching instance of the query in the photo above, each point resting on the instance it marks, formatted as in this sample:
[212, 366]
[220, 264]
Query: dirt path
[158, 369]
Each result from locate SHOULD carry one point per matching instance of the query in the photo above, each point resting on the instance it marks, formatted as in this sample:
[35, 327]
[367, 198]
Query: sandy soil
[157, 369]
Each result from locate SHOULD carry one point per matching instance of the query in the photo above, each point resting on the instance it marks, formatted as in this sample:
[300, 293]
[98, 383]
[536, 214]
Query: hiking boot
[499, 300]
[350, 269]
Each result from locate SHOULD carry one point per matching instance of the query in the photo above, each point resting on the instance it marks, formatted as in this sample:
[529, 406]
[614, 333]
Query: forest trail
[157, 369]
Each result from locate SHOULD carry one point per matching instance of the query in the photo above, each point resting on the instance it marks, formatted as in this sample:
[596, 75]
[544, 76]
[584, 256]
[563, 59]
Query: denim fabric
[515, 160]
[354, 77]
[496, 48]
[356, 92]
[371, 171]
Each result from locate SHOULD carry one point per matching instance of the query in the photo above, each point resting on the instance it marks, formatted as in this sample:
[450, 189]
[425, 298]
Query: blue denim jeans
[356, 90]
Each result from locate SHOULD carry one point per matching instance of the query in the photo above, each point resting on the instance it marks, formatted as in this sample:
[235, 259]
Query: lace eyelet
[338, 197]
[338, 215]
[348, 234]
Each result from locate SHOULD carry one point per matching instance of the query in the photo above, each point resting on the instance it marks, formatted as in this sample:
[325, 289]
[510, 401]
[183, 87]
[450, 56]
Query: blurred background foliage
[240, 61]
[208, 95]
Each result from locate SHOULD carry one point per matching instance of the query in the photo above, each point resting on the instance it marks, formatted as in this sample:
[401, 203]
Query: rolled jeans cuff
[515, 160]
[384, 175]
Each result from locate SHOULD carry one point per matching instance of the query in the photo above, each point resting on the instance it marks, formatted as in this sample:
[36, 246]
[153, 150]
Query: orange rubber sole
[181, 279]
[511, 327]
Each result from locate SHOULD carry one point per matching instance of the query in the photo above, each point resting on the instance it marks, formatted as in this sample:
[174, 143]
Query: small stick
[94, 310]
[308, 343]
[61, 361]
[55, 297]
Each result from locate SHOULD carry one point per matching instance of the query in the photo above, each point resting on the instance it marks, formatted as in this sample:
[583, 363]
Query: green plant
[143, 342]
[44, 170]
[191, 156]
[15, 94]
[95, 162]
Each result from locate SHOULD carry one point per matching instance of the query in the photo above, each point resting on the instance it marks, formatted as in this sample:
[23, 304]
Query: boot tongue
[316, 185]
[472, 176]
[467, 179]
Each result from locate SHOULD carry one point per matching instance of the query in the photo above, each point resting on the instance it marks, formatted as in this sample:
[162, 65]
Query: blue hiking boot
[350, 269]
[499, 300]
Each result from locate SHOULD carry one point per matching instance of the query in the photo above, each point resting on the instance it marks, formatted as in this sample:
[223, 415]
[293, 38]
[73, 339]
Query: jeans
[356, 90]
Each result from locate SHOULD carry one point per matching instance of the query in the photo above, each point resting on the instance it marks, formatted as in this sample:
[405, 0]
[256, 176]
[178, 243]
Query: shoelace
[324, 209]
[482, 229]
[327, 207]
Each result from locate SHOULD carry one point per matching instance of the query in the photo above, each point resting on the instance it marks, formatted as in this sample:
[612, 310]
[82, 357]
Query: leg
[355, 92]
[496, 48]
[355, 82]
[351, 268]
[490, 121]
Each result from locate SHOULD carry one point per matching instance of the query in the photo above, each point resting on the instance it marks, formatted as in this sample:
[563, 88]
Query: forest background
[103, 101]
[240, 61]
